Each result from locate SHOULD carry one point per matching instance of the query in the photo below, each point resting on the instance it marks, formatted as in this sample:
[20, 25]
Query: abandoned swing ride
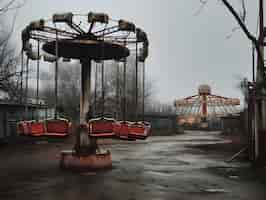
[90, 37]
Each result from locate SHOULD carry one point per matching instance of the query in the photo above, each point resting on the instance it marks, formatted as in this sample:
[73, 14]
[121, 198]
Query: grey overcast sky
[185, 51]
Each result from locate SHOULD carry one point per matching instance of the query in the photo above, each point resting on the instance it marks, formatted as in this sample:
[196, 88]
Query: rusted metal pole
[85, 90]
[83, 141]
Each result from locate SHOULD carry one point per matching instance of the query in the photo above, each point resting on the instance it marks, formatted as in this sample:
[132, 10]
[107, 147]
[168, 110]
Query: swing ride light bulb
[37, 25]
[126, 26]
[63, 17]
[98, 17]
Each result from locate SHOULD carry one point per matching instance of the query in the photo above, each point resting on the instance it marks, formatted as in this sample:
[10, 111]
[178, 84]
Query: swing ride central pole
[84, 143]
[85, 91]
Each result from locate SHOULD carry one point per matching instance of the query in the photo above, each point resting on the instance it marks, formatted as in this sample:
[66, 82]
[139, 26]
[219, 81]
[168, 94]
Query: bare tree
[8, 59]
[69, 90]
[240, 18]
[8, 5]
[114, 96]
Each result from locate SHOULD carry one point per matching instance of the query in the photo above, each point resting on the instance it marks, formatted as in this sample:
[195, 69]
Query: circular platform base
[87, 49]
[69, 160]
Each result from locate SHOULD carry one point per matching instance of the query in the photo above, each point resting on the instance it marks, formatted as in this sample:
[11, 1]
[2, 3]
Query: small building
[11, 113]
[162, 124]
[231, 124]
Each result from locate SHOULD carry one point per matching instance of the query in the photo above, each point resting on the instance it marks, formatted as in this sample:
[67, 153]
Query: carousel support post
[85, 90]
[84, 144]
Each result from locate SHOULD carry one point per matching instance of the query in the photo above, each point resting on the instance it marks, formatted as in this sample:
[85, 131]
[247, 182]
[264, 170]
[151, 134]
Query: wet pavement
[158, 168]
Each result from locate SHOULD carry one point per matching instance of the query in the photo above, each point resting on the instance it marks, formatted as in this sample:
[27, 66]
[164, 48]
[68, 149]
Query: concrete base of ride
[71, 161]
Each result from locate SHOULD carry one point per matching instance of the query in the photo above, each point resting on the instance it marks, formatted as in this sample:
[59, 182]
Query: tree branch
[243, 26]
[239, 21]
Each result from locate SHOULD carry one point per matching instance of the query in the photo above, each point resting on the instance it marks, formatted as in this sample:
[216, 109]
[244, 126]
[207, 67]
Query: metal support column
[85, 90]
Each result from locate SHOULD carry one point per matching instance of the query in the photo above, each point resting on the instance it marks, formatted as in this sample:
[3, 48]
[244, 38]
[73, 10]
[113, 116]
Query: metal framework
[90, 37]
[205, 105]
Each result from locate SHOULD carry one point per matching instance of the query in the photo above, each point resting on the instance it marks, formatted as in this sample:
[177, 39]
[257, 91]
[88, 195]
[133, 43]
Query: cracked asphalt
[170, 167]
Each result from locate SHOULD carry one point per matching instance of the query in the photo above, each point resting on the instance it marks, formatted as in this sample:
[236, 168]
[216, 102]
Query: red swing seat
[36, 128]
[138, 130]
[23, 128]
[58, 128]
[101, 127]
[122, 130]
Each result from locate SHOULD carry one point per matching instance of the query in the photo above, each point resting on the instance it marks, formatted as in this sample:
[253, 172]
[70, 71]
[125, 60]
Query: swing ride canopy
[91, 36]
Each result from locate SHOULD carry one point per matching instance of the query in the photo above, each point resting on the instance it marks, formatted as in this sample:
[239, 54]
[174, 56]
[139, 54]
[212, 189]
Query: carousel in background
[201, 109]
